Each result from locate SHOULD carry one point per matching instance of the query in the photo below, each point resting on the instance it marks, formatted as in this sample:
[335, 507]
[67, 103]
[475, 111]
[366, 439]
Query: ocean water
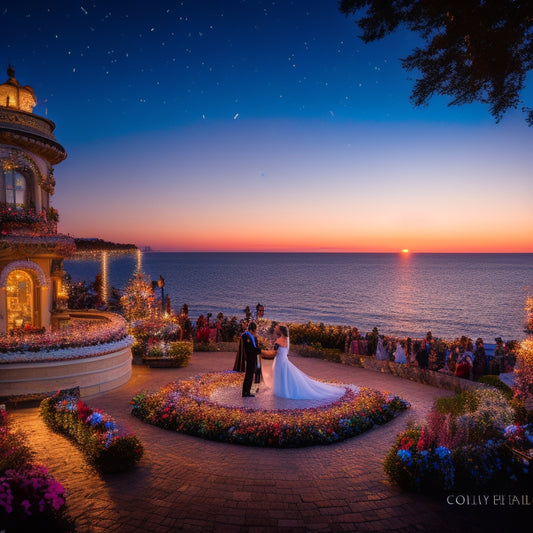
[400, 294]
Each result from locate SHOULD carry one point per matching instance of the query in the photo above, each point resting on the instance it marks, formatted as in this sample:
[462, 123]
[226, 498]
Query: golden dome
[16, 96]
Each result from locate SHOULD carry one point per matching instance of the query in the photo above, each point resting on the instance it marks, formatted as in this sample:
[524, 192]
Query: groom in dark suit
[251, 350]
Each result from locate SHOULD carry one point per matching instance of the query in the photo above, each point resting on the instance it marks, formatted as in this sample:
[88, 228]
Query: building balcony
[32, 132]
[21, 220]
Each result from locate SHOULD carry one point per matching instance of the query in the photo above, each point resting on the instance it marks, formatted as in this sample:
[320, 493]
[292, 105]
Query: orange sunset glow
[248, 195]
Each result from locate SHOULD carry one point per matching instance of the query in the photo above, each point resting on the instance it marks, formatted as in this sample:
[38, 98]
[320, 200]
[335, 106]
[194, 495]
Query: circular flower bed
[185, 406]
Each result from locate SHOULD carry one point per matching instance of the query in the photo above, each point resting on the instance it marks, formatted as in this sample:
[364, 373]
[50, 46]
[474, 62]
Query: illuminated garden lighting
[104, 268]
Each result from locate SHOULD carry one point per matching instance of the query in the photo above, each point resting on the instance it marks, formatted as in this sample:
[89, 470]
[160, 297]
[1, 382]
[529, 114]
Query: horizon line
[400, 252]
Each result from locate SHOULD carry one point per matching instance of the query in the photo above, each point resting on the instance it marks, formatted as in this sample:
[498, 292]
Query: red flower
[83, 410]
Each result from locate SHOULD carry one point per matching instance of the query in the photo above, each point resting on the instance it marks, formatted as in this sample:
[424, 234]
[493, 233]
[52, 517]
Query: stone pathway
[184, 483]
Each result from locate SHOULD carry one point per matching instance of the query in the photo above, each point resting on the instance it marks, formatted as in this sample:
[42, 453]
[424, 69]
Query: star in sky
[170, 111]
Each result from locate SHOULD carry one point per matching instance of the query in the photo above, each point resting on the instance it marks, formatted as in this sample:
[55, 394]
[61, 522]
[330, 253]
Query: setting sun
[405, 251]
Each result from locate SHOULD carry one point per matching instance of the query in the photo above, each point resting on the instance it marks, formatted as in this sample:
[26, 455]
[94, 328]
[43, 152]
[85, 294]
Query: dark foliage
[474, 50]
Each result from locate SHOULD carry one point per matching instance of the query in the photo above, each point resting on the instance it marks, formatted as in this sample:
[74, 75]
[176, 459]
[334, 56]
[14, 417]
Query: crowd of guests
[462, 358]
[220, 329]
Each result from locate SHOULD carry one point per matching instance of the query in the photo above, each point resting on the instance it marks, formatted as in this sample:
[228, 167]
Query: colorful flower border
[186, 407]
[111, 328]
[95, 432]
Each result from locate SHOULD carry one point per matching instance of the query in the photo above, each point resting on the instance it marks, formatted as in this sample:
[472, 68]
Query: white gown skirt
[290, 382]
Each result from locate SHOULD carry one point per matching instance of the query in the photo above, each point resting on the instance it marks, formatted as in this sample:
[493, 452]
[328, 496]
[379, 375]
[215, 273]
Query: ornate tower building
[31, 251]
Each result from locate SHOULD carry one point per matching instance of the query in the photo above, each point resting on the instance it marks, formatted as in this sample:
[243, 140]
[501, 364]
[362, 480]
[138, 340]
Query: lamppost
[161, 285]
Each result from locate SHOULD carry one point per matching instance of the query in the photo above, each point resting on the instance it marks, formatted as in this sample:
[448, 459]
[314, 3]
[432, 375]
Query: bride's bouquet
[265, 338]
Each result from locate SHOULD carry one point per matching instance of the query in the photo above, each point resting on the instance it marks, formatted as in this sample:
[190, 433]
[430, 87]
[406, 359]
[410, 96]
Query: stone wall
[440, 380]
[92, 374]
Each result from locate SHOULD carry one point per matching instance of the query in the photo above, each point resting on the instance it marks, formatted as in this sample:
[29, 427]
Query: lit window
[15, 188]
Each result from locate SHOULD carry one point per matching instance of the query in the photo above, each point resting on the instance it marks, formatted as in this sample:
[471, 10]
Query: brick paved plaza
[184, 483]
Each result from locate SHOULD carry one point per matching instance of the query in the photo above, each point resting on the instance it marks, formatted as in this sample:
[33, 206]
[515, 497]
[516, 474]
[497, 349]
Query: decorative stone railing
[27, 122]
[93, 368]
[30, 246]
[440, 380]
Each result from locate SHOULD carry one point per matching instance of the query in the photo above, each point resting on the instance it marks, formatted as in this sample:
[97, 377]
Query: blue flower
[95, 419]
[405, 456]
[442, 452]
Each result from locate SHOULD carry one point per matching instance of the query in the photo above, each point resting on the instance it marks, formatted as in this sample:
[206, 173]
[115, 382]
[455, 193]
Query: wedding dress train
[290, 382]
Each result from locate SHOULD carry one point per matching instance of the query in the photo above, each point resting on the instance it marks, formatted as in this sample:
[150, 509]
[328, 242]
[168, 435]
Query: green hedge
[179, 351]
[94, 431]
[496, 382]
[315, 350]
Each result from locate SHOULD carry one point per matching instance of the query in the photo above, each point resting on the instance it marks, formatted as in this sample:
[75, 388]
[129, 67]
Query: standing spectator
[409, 350]
[201, 322]
[202, 329]
[220, 321]
[465, 362]
[185, 323]
[428, 342]
[372, 340]
[453, 357]
[353, 341]
[381, 351]
[479, 360]
[496, 366]
[400, 353]
[422, 355]
[509, 359]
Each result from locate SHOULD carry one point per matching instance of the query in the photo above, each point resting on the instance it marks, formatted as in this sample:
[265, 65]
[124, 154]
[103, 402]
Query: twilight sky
[261, 125]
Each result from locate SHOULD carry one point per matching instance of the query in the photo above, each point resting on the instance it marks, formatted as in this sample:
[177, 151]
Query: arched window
[15, 184]
[19, 288]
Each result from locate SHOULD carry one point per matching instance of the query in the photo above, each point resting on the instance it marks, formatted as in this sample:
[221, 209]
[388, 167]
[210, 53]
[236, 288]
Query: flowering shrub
[14, 218]
[28, 495]
[487, 466]
[529, 314]
[30, 490]
[415, 467]
[497, 383]
[19, 215]
[229, 328]
[153, 330]
[81, 333]
[493, 408]
[209, 346]
[95, 432]
[179, 351]
[466, 449]
[316, 350]
[523, 372]
[326, 335]
[185, 406]
[202, 334]
[519, 437]
[14, 453]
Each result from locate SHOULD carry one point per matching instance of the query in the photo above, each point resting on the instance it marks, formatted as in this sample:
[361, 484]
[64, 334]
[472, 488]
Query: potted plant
[169, 354]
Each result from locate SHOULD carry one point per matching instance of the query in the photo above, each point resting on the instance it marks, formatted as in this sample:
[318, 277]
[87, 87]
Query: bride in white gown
[290, 382]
